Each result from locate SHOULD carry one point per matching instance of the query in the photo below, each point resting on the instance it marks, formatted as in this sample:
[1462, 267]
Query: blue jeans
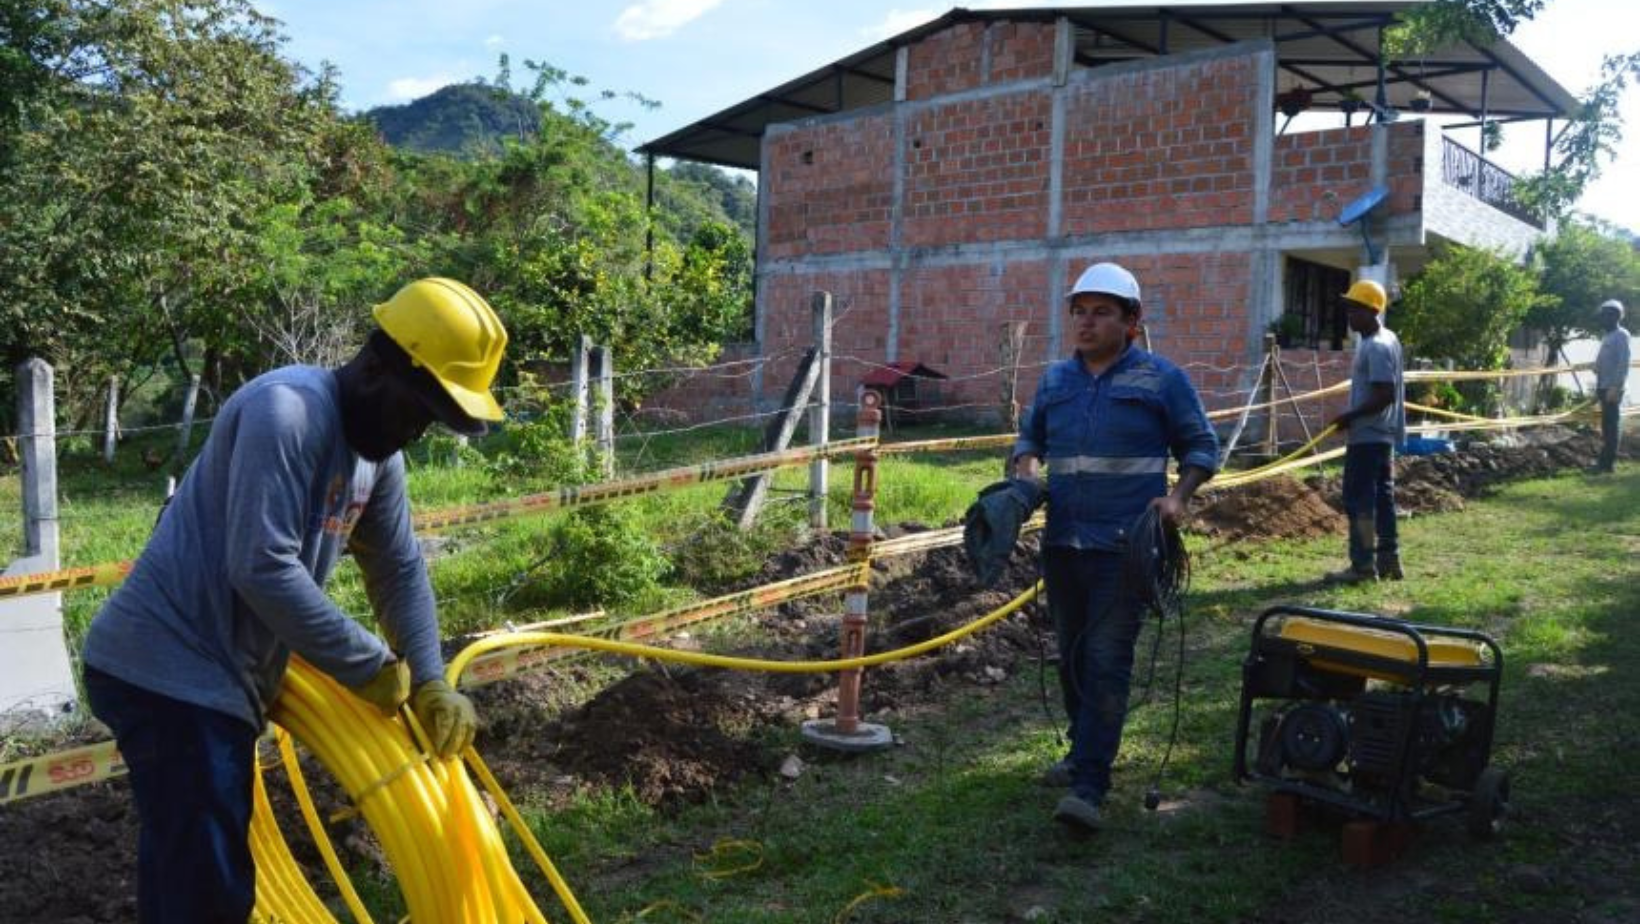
[1369, 502]
[190, 770]
[1611, 430]
[1096, 621]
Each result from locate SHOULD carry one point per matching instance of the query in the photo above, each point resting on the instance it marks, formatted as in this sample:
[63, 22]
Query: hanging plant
[1349, 102]
[1491, 136]
[1294, 101]
[1421, 101]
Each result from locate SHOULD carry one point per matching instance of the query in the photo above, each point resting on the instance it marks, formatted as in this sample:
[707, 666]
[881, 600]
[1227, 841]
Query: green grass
[954, 820]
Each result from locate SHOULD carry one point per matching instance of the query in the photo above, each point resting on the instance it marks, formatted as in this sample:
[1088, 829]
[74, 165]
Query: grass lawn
[951, 825]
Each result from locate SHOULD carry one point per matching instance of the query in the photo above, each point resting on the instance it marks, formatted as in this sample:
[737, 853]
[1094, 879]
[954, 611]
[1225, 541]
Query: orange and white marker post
[846, 732]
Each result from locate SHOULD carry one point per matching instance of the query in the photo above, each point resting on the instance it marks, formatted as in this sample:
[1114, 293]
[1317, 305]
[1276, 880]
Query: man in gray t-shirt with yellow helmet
[302, 464]
[1376, 423]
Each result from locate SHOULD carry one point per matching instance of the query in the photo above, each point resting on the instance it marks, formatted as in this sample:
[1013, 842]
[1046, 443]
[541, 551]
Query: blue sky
[698, 56]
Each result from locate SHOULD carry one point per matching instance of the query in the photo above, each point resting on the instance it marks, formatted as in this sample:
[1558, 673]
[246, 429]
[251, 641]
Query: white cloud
[659, 18]
[494, 42]
[408, 88]
[898, 21]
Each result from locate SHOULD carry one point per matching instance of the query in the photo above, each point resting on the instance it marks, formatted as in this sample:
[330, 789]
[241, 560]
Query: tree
[153, 136]
[1592, 132]
[1583, 265]
[1463, 306]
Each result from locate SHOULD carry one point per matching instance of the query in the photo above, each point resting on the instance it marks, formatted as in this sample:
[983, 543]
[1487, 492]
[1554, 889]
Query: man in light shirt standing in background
[1611, 373]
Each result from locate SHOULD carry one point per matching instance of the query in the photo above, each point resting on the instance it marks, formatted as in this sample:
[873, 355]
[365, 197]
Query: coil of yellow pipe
[444, 848]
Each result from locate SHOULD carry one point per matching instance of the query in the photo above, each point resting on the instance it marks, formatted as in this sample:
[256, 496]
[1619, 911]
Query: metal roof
[1330, 48]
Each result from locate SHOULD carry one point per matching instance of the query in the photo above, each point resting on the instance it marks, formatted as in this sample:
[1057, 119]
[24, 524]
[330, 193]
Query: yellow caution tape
[49, 773]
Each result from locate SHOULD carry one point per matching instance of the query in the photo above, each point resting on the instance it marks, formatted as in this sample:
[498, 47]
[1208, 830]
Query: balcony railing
[1464, 169]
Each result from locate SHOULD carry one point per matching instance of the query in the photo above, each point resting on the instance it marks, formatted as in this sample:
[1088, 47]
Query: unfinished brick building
[953, 179]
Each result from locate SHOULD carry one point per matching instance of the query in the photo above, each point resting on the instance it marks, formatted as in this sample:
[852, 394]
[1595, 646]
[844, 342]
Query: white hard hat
[1612, 304]
[1107, 278]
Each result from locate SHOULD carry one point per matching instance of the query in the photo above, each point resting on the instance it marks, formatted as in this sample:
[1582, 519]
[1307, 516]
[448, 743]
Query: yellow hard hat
[453, 333]
[1367, 294]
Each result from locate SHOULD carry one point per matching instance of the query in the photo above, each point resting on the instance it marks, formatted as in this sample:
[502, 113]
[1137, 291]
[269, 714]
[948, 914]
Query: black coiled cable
[1156, 570]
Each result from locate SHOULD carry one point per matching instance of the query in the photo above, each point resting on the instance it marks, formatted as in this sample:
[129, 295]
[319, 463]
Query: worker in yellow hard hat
[1375, 424]
[302, 464]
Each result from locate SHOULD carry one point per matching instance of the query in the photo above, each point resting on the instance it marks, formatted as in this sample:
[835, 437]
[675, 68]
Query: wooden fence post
[1272, 441]
[820, 410]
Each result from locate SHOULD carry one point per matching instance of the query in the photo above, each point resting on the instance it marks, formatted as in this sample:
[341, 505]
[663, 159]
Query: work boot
[1078, 815]
[1058, 774]
[1350, 575]
[1389, 568]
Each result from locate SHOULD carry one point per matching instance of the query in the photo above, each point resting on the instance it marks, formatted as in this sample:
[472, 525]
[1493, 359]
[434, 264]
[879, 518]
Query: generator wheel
[1489, 803]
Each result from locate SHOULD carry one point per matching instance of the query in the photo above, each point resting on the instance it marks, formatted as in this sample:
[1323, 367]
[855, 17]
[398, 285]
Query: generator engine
[1372, 715]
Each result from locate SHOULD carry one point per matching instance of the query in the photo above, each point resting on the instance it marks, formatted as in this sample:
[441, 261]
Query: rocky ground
[678, 734]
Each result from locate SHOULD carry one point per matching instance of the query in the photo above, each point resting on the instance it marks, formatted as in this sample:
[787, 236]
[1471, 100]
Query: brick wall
[1318, 173]
[836, 187]
[1161, 148]
[978, 171]
[970, 55]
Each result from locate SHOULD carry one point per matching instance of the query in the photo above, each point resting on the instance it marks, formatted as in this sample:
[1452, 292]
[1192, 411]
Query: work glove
[388, 689]
[447, 716]
[990, 527]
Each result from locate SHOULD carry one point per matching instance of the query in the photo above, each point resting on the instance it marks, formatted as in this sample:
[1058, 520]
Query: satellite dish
[1368, 201]
[1357, 212]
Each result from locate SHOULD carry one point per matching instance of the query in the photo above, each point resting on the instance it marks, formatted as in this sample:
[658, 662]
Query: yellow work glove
[389, 689]
[447, 716]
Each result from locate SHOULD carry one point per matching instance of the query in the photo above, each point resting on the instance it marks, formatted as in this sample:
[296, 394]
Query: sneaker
[1058, 774]
[1078, 815]
[1349, 576]
[1389, 569]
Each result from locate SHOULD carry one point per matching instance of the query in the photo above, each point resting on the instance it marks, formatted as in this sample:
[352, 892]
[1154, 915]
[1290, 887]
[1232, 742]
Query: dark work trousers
[190, 770]
[1611, 430]
[1096, 621]
[1369, 502]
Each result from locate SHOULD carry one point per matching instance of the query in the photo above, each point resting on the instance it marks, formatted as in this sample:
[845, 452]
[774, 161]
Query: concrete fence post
[185, 429]
[36, 676]
[578, 390]
[603, 369]
[820, 410]
[111, 420]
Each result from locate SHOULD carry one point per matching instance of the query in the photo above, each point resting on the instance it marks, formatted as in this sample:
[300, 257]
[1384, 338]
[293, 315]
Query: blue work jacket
[1106, 439]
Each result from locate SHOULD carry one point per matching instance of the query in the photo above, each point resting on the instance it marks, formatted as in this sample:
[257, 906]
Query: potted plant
[1294, 101]
[1491, 136]
[1349, 102]
[1288, 330]
[1421, 101]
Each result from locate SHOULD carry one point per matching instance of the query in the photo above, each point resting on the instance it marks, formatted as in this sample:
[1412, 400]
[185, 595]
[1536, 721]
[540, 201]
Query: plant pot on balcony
[1420, 102]
[1350, 105]
[1294, 101]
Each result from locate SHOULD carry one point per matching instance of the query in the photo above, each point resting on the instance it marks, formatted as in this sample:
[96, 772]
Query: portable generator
[1374, 716]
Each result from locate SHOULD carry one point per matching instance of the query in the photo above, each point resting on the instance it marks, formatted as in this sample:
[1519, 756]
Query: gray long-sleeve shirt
[231, 582]
[1611, 364]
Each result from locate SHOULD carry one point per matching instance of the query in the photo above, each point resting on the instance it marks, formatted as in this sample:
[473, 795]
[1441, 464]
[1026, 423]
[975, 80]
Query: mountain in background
[463, 119]
[472, 121]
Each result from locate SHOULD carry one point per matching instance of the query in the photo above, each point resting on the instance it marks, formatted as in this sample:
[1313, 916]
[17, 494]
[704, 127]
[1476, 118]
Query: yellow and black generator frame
[1378, 717]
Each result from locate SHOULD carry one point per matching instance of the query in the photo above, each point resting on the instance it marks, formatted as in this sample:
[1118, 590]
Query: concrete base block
[865, 737]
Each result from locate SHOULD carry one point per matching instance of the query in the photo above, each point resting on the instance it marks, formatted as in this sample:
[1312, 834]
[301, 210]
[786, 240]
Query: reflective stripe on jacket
[1106, 441]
